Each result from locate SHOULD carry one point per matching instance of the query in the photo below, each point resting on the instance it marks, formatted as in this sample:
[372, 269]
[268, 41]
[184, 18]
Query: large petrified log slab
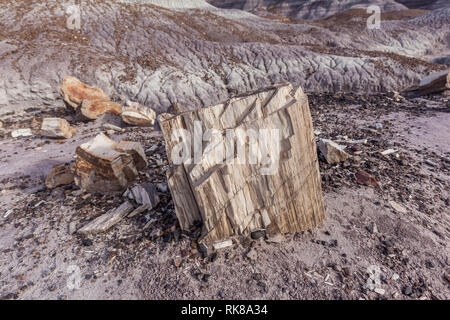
[276, 186]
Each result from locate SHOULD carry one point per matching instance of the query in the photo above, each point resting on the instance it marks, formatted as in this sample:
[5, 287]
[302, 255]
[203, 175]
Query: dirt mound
[159, 56]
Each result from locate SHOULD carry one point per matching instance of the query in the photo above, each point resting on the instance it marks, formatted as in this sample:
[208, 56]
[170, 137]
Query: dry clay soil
[363, 239]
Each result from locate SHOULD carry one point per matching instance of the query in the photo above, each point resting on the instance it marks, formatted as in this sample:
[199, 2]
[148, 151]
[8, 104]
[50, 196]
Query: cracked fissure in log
[231, 197]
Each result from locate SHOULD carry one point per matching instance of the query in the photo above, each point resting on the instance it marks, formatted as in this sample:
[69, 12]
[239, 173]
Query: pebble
[347, 271]
[252, 254]
[177, 262]
[162, 187]
[397, 207]
[222, 244]
[258, 234]
[72, 227]
[430, 163]
[337, 268]
[206, 277]
[21, 133]
[395, 277]
[447, 277]
[380, 291]
[407, 291]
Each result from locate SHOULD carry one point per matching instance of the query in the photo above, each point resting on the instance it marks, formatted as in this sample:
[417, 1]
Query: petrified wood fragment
[135, 114]
[74, 92]
[438, 82]
[276, 186]
[59, 175]
[92, 109]
[104, 165]
[57, 128]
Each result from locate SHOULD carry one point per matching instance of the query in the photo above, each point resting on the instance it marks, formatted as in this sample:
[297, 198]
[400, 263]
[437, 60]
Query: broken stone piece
[394, 95]
[145, 194]
[331, 151]
[59, 175]
[74, 92]
[222, 244]
[388, 152]
[136, 151]
[103, 166]
[107, 220]
[438, 82]
[109, 126]
[92, 109]
[139, 210]
[280, 193]
[397, 207]
[21, 133]
[57, 128]
[363, 177]
[138, 115]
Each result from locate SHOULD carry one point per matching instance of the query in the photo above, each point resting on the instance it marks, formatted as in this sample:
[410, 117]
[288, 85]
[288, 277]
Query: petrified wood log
[104, 165]
[135, 114]
[438, 82]
[92, 109]
[74, 92]
[276, 186]
[59, 175]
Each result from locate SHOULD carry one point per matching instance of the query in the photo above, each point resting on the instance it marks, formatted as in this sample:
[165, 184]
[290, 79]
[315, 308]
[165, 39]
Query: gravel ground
[366, 248]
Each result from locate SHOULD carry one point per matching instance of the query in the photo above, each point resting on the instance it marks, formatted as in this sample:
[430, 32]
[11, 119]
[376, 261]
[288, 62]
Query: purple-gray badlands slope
[160, 52]
[315, 9]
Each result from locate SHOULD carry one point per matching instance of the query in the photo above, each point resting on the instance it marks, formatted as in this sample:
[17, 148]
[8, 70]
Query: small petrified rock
[57, 128]
[59, 175]
[107, 220]
[21, 133]
[92, 109]
[398, 207]
[138, 115]
[363, 177]
[74, 92]
[331, 151]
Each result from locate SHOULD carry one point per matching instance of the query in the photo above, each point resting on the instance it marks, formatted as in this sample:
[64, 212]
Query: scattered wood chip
[365, 178]
[107, 220]
[398, 207]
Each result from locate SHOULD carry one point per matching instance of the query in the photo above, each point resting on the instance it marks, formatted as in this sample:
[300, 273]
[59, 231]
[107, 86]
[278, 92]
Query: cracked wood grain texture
[229, 198]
